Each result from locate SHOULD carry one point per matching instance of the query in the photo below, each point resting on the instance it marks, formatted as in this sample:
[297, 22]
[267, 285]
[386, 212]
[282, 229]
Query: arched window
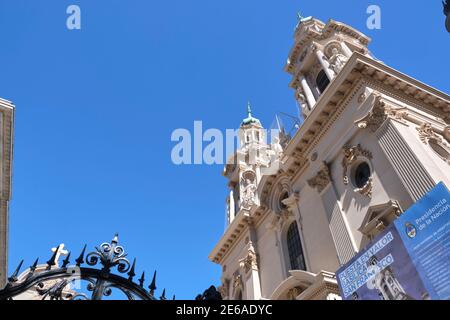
[322, 81]
[294, 247]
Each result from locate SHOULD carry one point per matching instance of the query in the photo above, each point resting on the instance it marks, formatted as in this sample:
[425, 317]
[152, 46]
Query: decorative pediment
[379, 217]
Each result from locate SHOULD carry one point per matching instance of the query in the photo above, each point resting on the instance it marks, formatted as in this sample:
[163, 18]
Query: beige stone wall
[368, 113]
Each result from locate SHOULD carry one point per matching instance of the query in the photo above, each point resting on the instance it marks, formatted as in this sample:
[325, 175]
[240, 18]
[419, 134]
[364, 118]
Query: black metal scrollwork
[51, 282]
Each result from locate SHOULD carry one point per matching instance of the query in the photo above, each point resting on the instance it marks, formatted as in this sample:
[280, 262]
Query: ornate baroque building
[373, 141]
[6, 146]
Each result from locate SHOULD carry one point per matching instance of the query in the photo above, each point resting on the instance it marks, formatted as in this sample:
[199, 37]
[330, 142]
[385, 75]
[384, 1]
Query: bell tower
[319, 53]
[246, 166]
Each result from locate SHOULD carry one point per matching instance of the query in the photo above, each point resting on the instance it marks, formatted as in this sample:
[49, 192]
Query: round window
[361, 174]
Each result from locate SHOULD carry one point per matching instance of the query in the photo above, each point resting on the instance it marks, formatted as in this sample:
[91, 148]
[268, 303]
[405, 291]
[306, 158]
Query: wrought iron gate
[53, 282]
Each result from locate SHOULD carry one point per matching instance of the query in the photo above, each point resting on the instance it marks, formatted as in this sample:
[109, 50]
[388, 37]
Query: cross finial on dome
[301, 18]
[250, 119]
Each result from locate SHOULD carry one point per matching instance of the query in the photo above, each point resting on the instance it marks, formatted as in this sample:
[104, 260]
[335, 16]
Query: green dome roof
[250, 119]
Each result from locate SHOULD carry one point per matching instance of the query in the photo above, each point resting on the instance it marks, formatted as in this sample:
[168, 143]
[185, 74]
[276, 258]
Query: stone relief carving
[223, 289]
[322, 178]
[376, 116]
[379, 113]
[237, 281]
[250, 262]
[426, 133]
[351, 154]
[429, 137]
[279, 220]
[291, 201]
[337, 60]
[367, 189]
[248, 187]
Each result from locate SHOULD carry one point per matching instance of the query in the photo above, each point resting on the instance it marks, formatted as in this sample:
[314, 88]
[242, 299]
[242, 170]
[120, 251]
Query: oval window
[439, 150]
[361, 174]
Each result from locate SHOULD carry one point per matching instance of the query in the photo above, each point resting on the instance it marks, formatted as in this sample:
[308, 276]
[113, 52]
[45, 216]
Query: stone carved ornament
[248, 187]
[367, 189]
[426, 133]
[337, 60]
[237, 281]
[223, 289]
[351, 154]
[250, 262]
[429, 137]
[322, 178]
[379, 113]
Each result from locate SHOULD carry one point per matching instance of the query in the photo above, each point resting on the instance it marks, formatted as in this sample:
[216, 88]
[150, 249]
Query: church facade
[6, 148]
[372, 143]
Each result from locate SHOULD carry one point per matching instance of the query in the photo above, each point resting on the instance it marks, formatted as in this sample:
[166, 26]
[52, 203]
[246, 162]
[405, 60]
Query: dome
[250, 119]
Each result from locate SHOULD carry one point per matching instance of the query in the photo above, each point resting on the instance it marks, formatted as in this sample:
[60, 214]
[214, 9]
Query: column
[232, 207]
[307, 90]
[414, 176]
[340, 231]
[251, 267]
[325, 64]
[411, 172]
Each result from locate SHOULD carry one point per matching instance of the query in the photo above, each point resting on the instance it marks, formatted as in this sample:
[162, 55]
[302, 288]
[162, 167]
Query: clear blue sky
[95, 110]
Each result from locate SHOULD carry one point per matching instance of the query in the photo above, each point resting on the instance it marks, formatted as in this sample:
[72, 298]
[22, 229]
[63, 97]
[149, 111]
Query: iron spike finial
[66, 261]
[131, 273]
[142, 279]
[116, 238]
[152, 285]
[13, 278]
[80, 259]
[163, 296]
[34, 266]
[52, 261]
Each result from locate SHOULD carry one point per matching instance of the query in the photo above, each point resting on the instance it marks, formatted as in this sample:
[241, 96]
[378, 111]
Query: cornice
[361, 70]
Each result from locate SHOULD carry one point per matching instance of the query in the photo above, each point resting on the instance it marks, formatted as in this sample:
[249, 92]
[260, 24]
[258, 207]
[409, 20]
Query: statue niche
[337, 60]
[248, 189]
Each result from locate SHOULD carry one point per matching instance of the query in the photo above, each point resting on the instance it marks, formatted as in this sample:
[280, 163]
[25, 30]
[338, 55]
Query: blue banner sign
[409, 260]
